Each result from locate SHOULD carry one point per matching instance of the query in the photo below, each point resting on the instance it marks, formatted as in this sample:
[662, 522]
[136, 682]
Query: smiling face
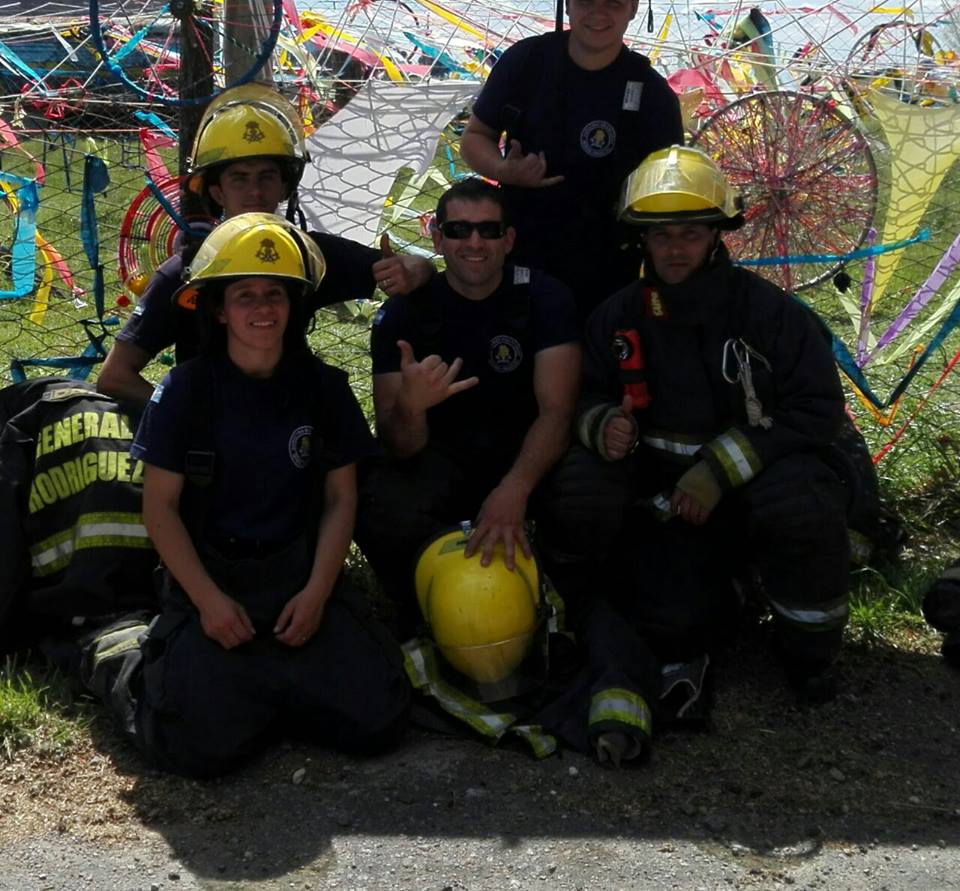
[255, 312]
[678, 250]
[597, 27]
[254, 186]
[474, 264]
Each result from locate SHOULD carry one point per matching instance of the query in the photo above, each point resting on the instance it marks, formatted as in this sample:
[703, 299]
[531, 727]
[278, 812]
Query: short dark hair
[474, 190]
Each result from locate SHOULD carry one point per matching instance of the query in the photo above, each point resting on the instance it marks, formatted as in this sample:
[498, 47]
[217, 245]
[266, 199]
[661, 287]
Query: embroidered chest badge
[505, 354]
[298, 446]
[598, 139]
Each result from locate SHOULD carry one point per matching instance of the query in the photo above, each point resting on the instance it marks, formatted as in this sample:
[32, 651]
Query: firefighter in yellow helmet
[248, 157]
[257, 245]
[680, 185]
[249, 497]
[710, 406]
[251, 130]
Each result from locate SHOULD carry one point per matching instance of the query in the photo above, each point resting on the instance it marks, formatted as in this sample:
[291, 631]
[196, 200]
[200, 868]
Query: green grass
[34, 713]
[885, 605]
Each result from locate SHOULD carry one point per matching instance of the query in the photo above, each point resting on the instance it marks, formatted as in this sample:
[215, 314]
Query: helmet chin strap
[294, 213]
[717, 241]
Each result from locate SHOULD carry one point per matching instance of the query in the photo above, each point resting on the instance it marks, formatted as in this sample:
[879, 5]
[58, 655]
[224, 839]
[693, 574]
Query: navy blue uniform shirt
[594, 128]
[495, 345]
[263, 437]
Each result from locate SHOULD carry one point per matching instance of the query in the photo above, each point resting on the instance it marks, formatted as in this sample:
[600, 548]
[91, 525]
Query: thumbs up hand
[397, 273]
[620, 431]
[390, 272]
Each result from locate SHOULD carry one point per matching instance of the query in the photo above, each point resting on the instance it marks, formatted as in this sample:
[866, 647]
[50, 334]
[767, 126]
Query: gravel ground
[861, 794]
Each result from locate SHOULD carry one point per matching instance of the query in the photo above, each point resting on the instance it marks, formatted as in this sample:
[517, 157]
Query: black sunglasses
[461, 229]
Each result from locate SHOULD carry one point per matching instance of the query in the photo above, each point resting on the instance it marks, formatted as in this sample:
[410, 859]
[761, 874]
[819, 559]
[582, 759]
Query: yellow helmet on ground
[244, 123]
[254, 244]
[482, 618]
[680, 185]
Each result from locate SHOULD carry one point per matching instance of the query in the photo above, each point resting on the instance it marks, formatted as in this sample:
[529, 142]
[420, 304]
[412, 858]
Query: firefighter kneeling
[710, 425]
[249, 497]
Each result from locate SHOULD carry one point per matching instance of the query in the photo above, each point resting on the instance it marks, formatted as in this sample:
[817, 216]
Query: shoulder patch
[377, 317]
[521, 275]
[632, 95]
[157, 394]
[60, 394]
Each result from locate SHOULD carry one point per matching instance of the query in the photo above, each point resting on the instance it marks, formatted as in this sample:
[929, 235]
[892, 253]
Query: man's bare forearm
[545, 442]
[403, 431]
[482, 153]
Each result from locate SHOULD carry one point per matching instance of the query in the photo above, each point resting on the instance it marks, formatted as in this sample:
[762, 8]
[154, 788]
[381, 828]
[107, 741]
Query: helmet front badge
[268, 252]
[252, 132]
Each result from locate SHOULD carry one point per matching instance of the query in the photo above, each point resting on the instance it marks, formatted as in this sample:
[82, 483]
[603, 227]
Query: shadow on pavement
[769, 780]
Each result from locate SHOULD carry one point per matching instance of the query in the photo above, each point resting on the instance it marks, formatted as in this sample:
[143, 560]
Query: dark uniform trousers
[201, 709]
[785, 531]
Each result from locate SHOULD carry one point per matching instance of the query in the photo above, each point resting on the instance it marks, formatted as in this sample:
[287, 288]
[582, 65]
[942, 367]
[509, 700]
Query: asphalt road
[451, 814]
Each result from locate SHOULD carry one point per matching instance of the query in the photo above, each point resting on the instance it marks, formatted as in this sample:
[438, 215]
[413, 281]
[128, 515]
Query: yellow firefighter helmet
[254, 244]
[677, 185]
[244, 123]
[483, 619]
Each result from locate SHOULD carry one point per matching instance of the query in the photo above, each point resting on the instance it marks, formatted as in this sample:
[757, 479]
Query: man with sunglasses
[474, 384]
[580, 111]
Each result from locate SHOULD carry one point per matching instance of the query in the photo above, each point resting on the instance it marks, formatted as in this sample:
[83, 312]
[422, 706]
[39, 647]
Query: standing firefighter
[248, 157]
[710, 402]
[580, 111]
[249, 496]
